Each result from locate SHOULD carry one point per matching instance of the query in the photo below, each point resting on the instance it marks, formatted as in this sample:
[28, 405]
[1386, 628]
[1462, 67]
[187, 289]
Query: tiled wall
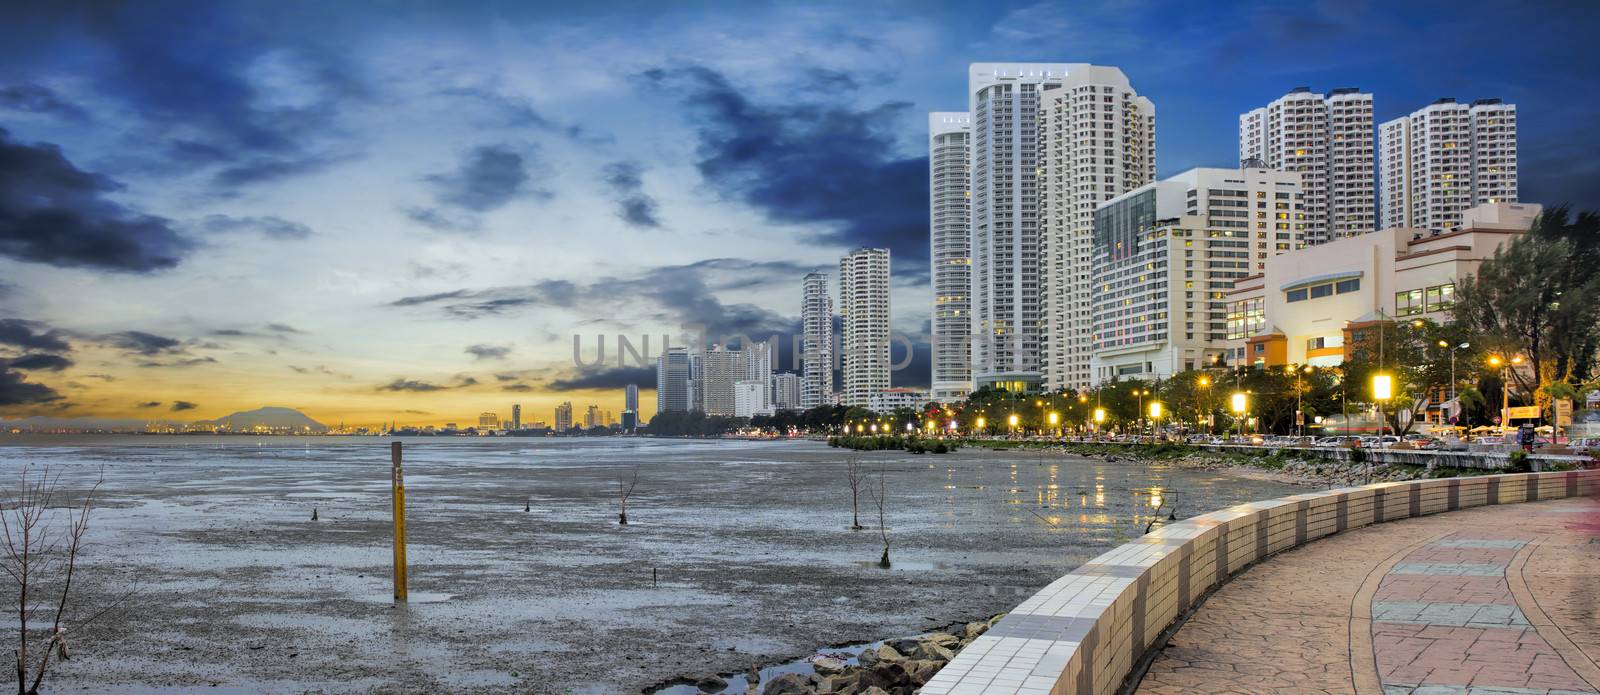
[1084, 632]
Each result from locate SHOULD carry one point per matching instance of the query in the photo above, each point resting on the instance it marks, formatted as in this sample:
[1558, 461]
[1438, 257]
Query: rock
[996, 619]
[904, 645]
[921, 671]
[867, 657]
[788, 684]
[874, 690]
[931, 651]
[892, 675]
[943, 639]
[975, 630]
[827, 665]
[886, 652]
[711, 683]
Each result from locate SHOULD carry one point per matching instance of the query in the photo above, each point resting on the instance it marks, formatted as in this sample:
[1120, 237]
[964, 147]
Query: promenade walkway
[1499, 600]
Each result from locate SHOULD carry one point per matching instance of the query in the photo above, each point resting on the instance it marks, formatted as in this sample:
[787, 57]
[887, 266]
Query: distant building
[888, 400]
[516, 417]
[563, 417]
[674, 372]
[1328, 141]
[1446, 158]
[786, 391]
[630, 407]
[864, 318]
[816, 326]
[715, 371]
[592, 418]
[488, 421]
[750, 398]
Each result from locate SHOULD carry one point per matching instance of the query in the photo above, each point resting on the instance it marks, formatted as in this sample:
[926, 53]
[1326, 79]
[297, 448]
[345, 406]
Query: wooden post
[397, 482]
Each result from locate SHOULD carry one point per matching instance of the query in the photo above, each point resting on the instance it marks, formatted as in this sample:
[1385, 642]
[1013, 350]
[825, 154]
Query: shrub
[1517, 461]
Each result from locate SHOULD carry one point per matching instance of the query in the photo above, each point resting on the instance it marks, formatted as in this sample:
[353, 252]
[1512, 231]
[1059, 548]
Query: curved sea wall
[1087, 631]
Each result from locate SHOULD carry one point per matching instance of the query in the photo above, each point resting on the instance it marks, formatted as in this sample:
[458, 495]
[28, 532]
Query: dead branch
[624, 491]
[854, 474]
[880, 497]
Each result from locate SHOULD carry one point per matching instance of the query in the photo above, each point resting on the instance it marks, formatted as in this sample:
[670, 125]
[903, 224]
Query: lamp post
[1240, 403]
[1140, 395]
[1155, 416]
[1205, 401]
[1505, 385]
[1453, 349]
[1382, 391]
[1299, 418]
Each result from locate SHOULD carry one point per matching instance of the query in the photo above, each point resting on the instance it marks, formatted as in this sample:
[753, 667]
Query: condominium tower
[1004, 99]
[816, 347]
[1328, 140]
[1166, 254]
[950, 236]
[1446, 158]
[1096, 140]
[716, 372]
[864, 320]
[564, 417]
[673, 381]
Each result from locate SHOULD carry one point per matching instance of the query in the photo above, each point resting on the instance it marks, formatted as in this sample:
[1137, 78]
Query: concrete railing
[1087, 631]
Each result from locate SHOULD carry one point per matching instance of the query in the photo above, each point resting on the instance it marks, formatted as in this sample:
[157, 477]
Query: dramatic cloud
[517, 388]
[183, 405]
[31, 335]
[488, 352]
[54, 213]
[16, 390]
[606, 379]
[814, 163]
[186, 362]
[149, 404]
[40, 362]
[143, 343]
[440, 221]
[35, 98]
[626, 181]
[490, 177]
[268, 225]
[411, 385]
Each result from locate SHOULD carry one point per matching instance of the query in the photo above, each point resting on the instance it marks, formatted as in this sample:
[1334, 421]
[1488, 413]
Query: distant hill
[271, 417]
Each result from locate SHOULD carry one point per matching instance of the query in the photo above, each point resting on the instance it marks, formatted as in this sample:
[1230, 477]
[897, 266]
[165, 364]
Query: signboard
[1563, 412]
[1522, 412]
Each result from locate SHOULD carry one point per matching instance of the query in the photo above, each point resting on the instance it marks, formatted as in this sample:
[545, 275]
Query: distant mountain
[270, 417]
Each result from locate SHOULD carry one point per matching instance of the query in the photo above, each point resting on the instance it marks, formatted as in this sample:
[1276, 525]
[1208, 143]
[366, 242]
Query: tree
[1539, 297]
[625, 488]
[880, 496]
[854, 474]
[41, 559]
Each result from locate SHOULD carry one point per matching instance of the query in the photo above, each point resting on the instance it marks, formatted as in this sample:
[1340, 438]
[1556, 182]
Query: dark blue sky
[325, 200]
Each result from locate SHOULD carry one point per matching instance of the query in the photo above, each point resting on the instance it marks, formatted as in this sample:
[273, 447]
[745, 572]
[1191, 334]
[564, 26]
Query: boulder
[884, 652]
[904, 645]
[996, 619]
[711, 683]
[874, 690]
[974, 630]
[943, 639]
[789, 684]
[892, 675]
[921, 671]
[827, 665]
[927, 649]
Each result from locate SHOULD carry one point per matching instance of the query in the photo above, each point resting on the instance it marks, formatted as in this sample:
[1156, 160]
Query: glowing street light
[980, 423]
[1054, 418]
[1155, 410]
[1012, 421]
[1382, 387]
[1240, 402]
[1099, 415]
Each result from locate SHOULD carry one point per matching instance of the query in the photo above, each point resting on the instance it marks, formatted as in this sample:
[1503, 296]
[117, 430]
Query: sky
[405, 211]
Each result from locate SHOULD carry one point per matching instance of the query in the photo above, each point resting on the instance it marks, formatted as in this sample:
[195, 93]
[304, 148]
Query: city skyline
[277, 234]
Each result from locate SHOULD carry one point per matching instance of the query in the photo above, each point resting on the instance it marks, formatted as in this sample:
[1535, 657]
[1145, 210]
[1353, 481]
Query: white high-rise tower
[1003, 99]
[1328, 140]
[864, 320]
[1096, 141]
[1446, 158]
[816, 348]
[950, 236]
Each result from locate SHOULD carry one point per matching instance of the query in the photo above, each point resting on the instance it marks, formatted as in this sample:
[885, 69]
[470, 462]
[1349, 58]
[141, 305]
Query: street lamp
[1140, 394]
[1012, 421]
[1205, 383]
[980, 423]
[1299, 417]
[1505, 385]
[1240, 403]
[1382, 390]
[1155, 416]
[1453, 350]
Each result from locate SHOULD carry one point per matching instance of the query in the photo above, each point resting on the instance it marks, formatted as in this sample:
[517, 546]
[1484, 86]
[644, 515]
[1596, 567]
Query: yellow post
[397, 481]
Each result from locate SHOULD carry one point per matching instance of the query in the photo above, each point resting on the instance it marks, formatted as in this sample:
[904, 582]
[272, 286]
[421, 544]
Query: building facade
[864, 323]
[1165, 256]
[786, 391]
[1328, 141]
[816, 345]
[950, 238]
[673, 378]
[1097, 140]
[1445, 158]
[516, 417]
[889, 400]
[751, 398]
[1300, 308]
[1004, 100]
[630, 407]
[488, 421]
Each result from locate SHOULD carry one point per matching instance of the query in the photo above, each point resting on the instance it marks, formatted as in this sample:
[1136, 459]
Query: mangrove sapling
[880, 496]
[42, 563]
[854, 474]
[624, 491]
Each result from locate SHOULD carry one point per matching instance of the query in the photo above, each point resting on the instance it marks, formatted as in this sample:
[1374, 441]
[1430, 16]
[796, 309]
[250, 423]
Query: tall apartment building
[592, 418]
[1004, 100]
[715, 373]
[516, 417]
[1328, 141]
[1097, 140]
[786, 391]
[630, 406]
[488, 421]
[564, 417]
[950, 237]
[816, 346]
[1166, 255]
[758, 367]
[864, 321]
[1445, 158]
[673, 377]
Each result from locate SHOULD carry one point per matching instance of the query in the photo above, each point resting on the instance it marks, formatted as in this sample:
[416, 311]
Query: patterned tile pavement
[1428, 603]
